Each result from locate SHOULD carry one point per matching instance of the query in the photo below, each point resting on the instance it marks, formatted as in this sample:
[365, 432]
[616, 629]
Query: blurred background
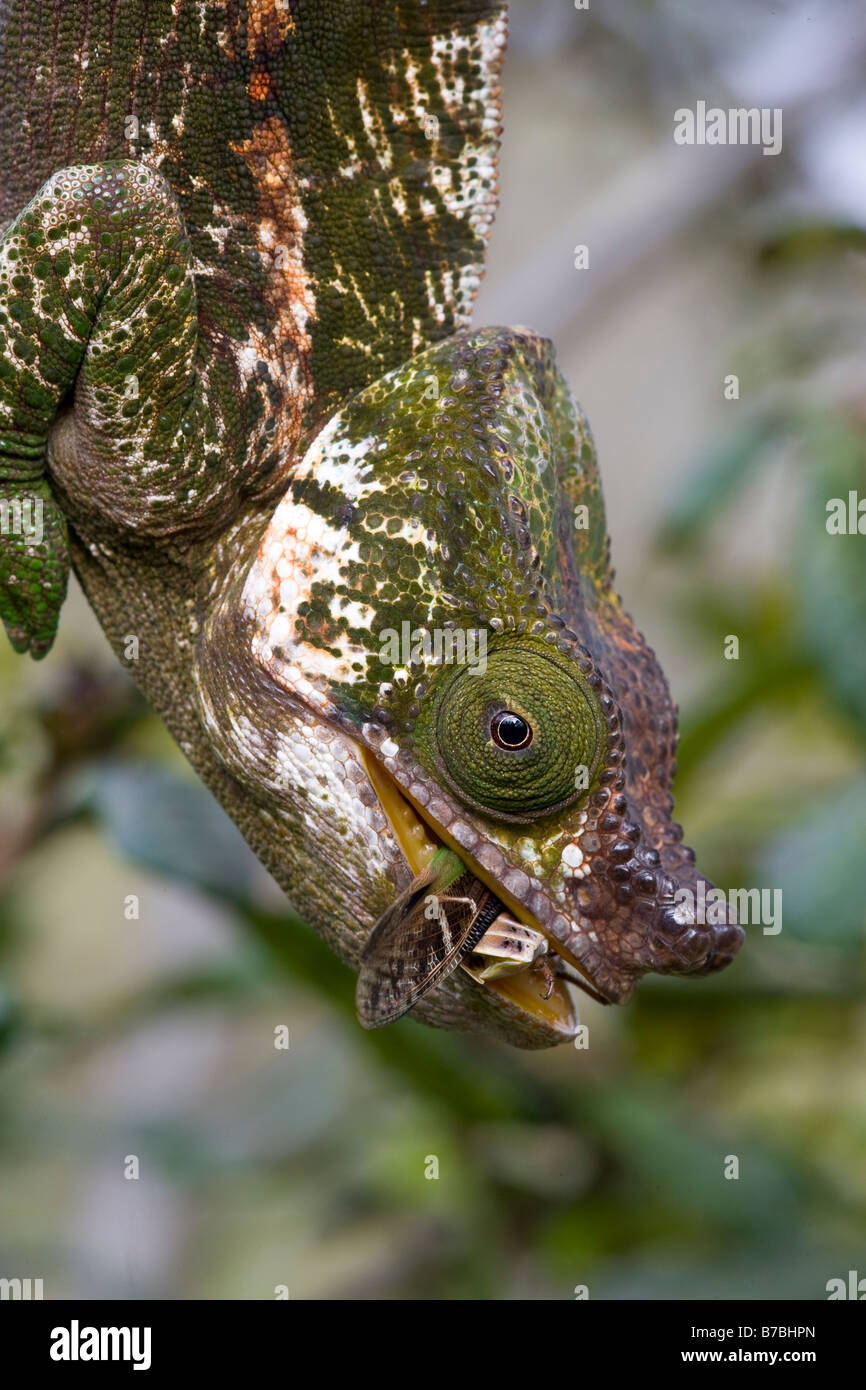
[152, 1035]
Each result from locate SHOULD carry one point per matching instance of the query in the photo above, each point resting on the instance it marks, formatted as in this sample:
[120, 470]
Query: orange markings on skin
[260, 86]
[287, 291]
[268, 26]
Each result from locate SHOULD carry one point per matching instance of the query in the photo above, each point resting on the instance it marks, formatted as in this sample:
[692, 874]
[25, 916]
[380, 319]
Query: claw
[543, 969]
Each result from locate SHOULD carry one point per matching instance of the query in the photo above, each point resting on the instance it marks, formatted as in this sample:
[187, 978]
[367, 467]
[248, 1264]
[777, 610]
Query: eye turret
[520, 739]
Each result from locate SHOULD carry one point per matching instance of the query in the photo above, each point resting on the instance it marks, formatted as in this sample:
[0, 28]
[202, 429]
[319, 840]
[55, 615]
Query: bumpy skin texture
[231, 224]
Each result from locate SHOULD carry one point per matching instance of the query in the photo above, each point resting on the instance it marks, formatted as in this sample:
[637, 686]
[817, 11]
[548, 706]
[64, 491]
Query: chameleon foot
[34, 565]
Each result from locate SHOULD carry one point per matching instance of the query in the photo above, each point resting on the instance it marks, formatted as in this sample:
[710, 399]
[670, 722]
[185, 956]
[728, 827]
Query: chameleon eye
[520, 739]
[508, 730]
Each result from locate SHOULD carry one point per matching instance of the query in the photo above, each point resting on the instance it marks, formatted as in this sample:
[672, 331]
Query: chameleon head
[435, 587]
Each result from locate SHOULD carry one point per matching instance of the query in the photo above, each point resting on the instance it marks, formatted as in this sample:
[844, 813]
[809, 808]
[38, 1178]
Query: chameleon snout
[695, 948]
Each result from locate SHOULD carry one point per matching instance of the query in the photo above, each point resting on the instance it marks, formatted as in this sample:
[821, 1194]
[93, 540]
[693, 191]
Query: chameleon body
[241, 244]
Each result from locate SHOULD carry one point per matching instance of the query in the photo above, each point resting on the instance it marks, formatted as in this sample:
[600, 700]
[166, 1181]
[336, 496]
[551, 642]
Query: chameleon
[242, 398]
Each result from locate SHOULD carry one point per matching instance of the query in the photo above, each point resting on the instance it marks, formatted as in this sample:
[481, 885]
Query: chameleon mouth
[539, 988]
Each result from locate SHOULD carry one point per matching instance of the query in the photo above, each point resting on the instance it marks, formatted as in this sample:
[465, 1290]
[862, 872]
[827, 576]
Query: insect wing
[417, 942]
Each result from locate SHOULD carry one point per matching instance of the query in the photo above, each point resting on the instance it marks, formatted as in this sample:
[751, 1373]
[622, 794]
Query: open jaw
[539, 987]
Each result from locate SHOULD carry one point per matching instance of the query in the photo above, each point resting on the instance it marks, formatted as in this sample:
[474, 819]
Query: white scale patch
[461, 187]
[572, 862]
[374, 128]
[301, 548]
[466, 186]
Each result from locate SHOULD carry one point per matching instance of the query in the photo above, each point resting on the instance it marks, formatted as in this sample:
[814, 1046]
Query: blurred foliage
[603, 1167]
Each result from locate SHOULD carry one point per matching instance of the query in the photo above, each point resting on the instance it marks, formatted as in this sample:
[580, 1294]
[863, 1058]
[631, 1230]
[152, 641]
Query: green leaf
[831, 571]
[169, 824]
[670, 1156]
[822, 867]
[717, 476]
[811, 241]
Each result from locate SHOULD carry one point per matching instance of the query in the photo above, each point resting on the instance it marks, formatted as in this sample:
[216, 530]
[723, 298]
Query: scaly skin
[240, 305]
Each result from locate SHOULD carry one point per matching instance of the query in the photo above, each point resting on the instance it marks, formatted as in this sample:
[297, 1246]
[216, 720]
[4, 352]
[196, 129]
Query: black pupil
[510, 731]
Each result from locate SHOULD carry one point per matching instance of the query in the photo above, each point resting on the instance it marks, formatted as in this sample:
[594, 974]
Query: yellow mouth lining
[419, 842]
[410, 831]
